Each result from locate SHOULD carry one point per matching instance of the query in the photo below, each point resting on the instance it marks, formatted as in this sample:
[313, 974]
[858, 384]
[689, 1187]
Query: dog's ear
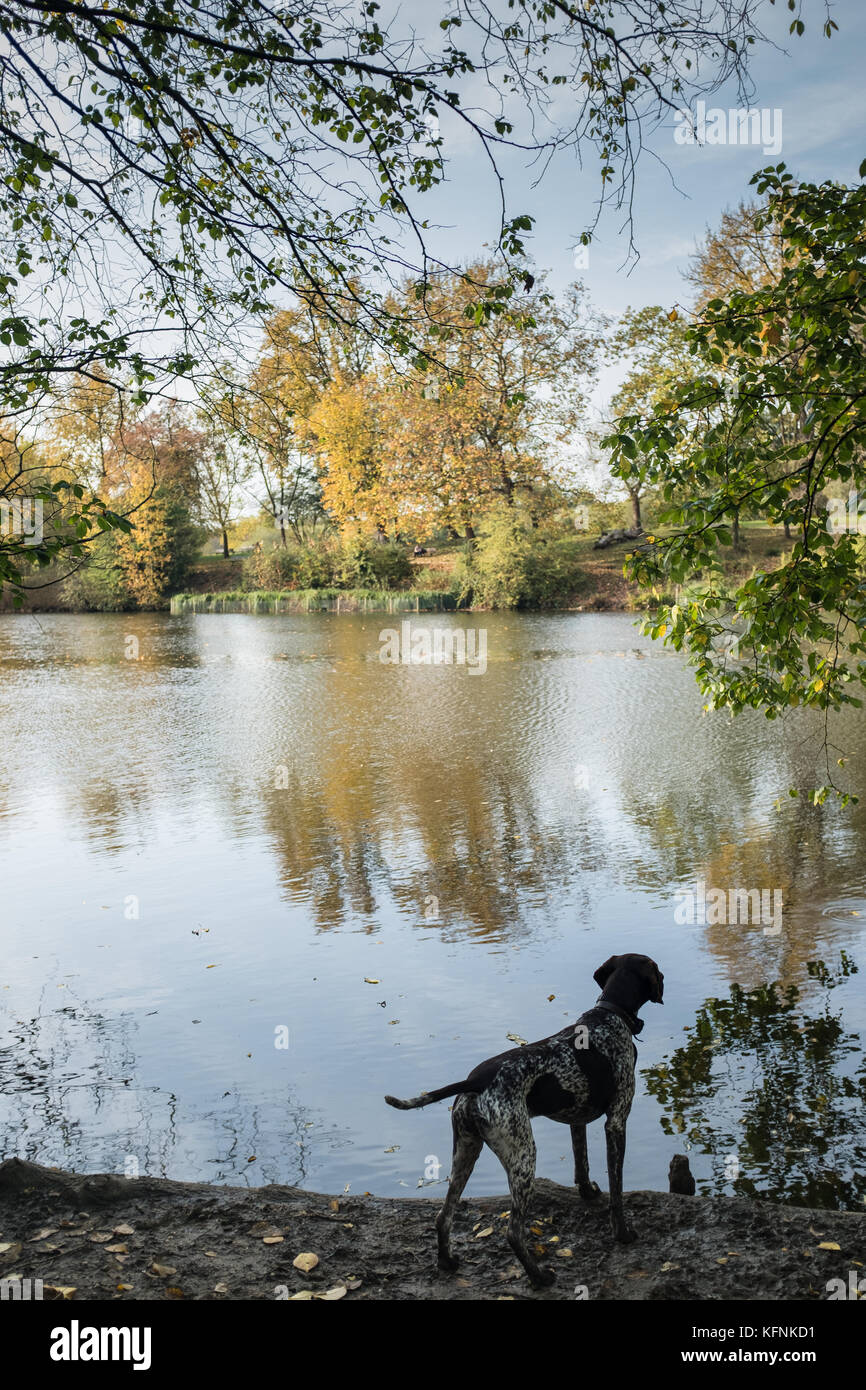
[604, 972]
[657, 984]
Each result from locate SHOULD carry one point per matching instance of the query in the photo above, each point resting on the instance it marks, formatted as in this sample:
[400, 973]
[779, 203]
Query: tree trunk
[225, 544]
[635, 510]
[735, 529]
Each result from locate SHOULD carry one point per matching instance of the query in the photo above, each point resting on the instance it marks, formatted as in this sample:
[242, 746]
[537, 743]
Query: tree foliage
[774, 413]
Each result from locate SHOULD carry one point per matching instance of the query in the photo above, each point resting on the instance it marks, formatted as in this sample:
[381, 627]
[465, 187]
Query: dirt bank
[147, 1238]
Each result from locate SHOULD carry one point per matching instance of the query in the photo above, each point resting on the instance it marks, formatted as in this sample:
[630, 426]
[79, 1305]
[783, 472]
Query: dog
[574, 1076]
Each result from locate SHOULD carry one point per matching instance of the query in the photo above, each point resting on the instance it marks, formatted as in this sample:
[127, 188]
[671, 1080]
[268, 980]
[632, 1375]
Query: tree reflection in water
[797, 1081]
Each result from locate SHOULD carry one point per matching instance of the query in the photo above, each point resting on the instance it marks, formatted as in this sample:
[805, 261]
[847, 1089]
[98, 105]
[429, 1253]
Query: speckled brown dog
[574, 1076]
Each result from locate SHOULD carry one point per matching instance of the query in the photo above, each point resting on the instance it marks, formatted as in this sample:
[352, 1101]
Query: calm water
[208, 851]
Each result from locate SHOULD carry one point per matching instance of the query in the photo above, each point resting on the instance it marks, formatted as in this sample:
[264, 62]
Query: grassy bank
[315, 601]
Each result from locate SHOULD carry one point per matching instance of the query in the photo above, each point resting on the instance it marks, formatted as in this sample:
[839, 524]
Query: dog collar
[634, 1023]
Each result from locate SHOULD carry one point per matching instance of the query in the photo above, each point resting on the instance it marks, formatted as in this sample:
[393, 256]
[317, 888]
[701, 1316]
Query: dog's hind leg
[514, 1145]
[614, 1130]
[467, 1146]
[588, 1190]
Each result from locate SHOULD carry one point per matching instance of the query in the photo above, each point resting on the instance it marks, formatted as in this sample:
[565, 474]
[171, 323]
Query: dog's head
[641, 972]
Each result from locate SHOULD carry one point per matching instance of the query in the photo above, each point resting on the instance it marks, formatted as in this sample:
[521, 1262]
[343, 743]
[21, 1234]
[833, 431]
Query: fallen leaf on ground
[305, 1294]
[220, 1288]
[163, 1270]
[488, 1231]
[174, 1292]
[669, 1264]
[58, 1290]
[41, 1235]
[124, 1230]
[100, 1237]
[829, 1245]
[305, 1261]
[272, 1240]
[333, 1294]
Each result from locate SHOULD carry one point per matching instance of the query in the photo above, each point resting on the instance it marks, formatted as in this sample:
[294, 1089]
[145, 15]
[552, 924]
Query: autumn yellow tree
[503, 392]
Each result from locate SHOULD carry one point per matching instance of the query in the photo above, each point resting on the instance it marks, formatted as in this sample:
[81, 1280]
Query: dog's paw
[590, 1192]
[448, 1263]
[543, 1279]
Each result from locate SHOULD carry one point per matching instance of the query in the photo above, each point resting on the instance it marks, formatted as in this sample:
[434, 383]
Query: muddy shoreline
[111, 1238]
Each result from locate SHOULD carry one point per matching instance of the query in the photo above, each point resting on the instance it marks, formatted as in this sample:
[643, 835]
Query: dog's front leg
[614, 1130]
[588, 1190]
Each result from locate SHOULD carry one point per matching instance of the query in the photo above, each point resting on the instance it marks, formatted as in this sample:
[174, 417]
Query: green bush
[356, 564]
[514, 565]
[367, 564]
[97, 586]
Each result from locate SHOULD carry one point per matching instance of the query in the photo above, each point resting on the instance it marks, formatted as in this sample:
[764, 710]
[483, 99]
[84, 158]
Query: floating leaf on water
[516, 1038]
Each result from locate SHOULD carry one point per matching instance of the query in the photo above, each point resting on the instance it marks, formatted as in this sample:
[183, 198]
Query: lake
[255, 877]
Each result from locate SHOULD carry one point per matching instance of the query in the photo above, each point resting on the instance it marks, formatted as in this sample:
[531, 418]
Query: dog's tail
[430, 1097]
